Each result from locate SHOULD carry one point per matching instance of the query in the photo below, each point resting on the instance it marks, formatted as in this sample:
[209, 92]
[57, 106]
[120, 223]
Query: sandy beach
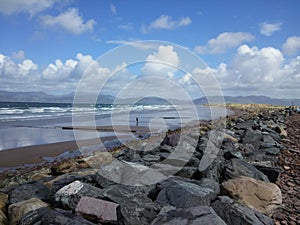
[37, 153]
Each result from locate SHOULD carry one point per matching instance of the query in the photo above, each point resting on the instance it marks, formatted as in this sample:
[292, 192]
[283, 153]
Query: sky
[243, 47]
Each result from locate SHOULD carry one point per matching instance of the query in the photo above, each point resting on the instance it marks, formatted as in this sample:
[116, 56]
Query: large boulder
[234, 213]
[30, 190]
[253, 137]
[204, 215]
[238, 167]
[135, 207]
[69, 195]
[182, 194]
[17, 210]
[97, 210]
[52, 216]
[259, 195]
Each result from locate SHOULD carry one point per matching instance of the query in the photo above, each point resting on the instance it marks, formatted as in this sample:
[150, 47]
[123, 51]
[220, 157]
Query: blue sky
[250, 47]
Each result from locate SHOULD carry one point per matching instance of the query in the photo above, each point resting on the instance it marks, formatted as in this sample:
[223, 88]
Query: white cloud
[113, 9]
[166, 22]
[268, 29]
[11, 70]
[255, 71]
[70, 21]
[164, 62]
[19, 55]
[9, 7]
[292, 45]
[224, 41]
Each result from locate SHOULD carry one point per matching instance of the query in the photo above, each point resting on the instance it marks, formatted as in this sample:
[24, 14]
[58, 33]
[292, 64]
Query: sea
[26, 123]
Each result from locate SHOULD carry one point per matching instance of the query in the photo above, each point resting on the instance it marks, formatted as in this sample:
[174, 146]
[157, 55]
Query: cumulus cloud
[268, 29]
[224, 41]
[12, 70]
[29, 6]
[292, 45]
[257, 71]
[70, 20]
[163, 62]
[165, 22]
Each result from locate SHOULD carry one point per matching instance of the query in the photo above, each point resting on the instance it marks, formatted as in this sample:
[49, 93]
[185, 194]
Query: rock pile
[226, 175]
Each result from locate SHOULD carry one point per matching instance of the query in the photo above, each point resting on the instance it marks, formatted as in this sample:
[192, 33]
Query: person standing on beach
[137, 121]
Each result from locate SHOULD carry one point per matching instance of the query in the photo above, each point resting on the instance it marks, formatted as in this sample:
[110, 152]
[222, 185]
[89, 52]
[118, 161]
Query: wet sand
[36, 154]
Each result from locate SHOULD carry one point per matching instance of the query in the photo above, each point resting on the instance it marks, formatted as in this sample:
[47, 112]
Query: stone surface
[30, 190]
[253, 137]
[135, 207]
[183, 194]
[259, 195]
[271, 172]
[171, 139]
[203, 215]
[234, 213]
[49, 216]
[69, 195]
[17, 210]
[238, 167]
[97, 210]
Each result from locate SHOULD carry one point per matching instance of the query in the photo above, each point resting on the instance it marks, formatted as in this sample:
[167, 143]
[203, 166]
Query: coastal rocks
[3, 218]
[97, 210]
[182, 194]
[253, 137]
[30, 190]
[237, 167]
[171, 139]
[186, 216]
[47, 216]
[259, 195]
[135, 207]
[69, 195]
[234, 213]
[17, 210]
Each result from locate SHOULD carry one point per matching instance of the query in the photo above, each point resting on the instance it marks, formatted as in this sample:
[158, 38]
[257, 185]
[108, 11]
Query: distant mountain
[252, 99]
[7, 96]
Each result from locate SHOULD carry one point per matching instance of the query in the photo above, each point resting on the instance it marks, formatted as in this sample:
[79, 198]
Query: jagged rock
[253, 137]
[269, 142]
[234, 213]
[194, 215]
[64, 167]
[58, 182]
[171, 139]
[187, 172]
[131, 173]
[237, 167]
[214, 170]
[244, 125]
[135, 207]
[97, 210]
[182, 194]
[30, 190]
[69, 195]
[259, 195]
[271, 172]
[17, 210]
[52, 216]
[3, 218]
[272, 151]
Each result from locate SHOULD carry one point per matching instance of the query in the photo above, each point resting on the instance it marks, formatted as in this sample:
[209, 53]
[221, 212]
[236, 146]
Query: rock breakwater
[237, 186]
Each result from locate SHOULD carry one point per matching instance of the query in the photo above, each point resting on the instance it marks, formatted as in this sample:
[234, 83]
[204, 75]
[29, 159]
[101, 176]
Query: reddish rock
[97, 210]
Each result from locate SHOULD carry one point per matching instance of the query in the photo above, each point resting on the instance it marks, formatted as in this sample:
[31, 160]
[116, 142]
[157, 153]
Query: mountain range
[7, 96]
